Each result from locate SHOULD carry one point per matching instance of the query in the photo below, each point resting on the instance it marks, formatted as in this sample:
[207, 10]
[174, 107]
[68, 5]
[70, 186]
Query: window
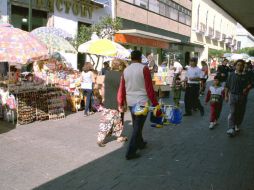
[144, 3]
[188, 20]
[162, 9]
[198, 16]
[182, 17]
[173, 14]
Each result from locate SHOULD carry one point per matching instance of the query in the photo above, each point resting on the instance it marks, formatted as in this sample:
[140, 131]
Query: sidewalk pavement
[63, 155]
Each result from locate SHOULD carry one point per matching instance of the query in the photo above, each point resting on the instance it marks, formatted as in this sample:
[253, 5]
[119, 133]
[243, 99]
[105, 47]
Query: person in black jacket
[222, 72]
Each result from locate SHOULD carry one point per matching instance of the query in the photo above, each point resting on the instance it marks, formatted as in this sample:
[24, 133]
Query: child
[177, 88]
[97, 101]
[215, 95]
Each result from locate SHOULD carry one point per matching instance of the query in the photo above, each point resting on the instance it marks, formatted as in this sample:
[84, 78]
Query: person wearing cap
[223, 71]
[215, 95]
[237, 88]
[191, 98]
[136, 86]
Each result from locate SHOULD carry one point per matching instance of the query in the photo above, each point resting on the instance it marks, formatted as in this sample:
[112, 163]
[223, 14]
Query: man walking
[191, 98]
[236, 90]
[136, 86]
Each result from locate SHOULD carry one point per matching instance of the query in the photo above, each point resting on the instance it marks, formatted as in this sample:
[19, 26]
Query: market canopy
[104, 47]
[18, 46]
[51, 30]
[55, 43]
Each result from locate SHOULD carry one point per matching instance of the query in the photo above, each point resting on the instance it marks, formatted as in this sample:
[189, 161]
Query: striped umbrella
[18, 46]
[55, 43]
[51, 30]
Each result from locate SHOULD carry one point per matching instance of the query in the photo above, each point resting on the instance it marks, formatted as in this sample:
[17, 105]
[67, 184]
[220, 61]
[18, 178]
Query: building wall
[69, 23]
[3, 11]
[244, 37]
[213, 24]
[144, 16]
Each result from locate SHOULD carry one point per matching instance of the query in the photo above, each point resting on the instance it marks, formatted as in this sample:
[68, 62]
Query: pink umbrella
[18, 46]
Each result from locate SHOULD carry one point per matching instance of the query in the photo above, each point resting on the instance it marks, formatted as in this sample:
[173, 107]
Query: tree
[247, 50]
[106, 28]
[216, 53]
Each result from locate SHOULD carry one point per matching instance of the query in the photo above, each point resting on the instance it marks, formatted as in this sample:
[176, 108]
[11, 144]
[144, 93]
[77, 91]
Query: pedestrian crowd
[126, 85]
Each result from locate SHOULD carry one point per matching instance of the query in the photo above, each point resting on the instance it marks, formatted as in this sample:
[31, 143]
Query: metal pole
[30, 16]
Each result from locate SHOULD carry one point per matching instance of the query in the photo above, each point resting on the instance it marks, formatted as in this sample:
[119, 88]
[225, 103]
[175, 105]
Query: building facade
[244, 38]
[68, 15]
[162, 27]
[212, 28]
[3, 12]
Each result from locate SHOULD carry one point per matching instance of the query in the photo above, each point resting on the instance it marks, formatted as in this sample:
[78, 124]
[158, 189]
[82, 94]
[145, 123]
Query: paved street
[63, 155]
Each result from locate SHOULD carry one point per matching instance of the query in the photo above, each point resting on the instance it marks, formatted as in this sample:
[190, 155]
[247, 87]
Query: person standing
[215, 95]
[151, 63]
[236, 91]
[177, 68]
[112, 122]
[223, 71]
[191, 98]
[204, 77]
[87, 81]
[136, 86]
[106, 68]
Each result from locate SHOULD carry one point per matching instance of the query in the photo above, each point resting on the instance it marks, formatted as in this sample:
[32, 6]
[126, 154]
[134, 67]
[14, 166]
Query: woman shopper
[112, 119]
[87, 81]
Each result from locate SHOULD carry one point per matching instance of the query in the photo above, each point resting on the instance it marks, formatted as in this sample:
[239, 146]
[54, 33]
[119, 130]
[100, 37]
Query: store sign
[124, 38]
[84, 8]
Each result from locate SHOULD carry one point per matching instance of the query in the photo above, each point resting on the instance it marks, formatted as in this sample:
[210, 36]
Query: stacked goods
[42, 105]
[26, 107]
[55, 104]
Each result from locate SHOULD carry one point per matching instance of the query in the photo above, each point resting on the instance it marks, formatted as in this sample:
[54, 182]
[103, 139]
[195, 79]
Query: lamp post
[30, 16]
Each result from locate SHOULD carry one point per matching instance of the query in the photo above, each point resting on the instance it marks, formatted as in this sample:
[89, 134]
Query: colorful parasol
[51, 30]
[104, 47]
[55, 43]
[18, 46]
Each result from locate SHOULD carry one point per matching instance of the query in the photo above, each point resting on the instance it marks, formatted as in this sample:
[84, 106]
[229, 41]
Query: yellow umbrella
[103, 47]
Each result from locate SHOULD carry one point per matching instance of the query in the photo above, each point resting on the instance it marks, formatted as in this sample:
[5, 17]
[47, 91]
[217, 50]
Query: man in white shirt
[177, 68]
[191, 98]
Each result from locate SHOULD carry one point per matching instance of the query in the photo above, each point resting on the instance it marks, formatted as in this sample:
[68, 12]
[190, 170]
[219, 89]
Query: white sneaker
[231, 132]
[211, 125]
[237, 129]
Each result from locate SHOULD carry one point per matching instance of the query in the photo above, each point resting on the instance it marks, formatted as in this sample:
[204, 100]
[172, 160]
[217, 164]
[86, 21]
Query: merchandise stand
[39, 105]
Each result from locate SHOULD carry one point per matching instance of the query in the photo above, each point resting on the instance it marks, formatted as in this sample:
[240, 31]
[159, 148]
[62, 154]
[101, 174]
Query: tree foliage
[217, 53]
[248, 50]
[106, 28]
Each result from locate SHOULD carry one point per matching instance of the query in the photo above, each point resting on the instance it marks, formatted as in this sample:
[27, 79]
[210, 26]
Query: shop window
[19, 17]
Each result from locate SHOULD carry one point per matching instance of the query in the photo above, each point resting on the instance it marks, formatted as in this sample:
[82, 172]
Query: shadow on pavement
[6, 126]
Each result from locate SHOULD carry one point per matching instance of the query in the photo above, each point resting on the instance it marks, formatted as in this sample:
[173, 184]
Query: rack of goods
[55, 104]
[42, 105]
[26, 107]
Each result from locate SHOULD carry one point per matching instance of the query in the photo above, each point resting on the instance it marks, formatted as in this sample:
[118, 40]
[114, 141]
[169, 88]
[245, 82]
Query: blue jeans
[88, 93]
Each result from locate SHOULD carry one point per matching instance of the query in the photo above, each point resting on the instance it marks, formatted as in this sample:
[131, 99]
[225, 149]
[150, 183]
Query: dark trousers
[215, 110]
[88, 93]
[136, 137]
[191, 98]
[237, 105]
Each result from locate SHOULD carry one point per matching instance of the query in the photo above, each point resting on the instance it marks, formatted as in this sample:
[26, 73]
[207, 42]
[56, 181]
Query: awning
[143, 38]
[140, 33]
[242, 11]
